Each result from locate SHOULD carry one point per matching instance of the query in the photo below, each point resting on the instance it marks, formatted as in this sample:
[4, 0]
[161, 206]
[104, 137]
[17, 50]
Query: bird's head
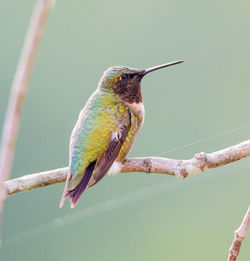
[125, 82]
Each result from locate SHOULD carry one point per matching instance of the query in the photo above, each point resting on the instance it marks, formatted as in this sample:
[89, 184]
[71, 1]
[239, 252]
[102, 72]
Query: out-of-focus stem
[18, 92]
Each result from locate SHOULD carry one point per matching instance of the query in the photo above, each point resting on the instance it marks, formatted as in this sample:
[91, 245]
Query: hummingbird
[106, 129]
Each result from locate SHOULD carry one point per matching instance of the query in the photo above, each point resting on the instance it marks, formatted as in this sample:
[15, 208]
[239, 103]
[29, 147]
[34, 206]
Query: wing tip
[76, 193]
[73, 200]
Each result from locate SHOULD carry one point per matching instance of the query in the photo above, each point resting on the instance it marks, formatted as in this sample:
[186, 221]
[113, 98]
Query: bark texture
[240, 234]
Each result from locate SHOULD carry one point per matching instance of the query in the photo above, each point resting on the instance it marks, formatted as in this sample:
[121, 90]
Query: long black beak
[146, 71]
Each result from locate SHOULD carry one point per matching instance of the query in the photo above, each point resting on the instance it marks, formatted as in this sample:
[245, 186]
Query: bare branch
[240, 234]
[18, 92]
[180, 168]
[36, 180]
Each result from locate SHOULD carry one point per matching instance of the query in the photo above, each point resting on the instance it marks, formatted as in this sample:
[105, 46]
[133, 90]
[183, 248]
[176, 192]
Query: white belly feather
[115, 168]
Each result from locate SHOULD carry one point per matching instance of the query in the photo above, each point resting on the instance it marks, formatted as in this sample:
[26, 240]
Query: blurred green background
[132, 216]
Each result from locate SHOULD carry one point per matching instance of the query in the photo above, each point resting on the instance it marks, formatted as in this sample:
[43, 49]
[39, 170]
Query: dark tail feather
[76, 193]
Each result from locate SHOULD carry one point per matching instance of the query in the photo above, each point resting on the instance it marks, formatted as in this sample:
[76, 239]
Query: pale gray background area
[132, 216]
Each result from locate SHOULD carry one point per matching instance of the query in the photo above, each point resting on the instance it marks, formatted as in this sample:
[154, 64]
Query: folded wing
[93, 151]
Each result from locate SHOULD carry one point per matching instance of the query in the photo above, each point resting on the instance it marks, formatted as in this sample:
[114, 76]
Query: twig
[180, 168]
[18, 92]
[240, 234]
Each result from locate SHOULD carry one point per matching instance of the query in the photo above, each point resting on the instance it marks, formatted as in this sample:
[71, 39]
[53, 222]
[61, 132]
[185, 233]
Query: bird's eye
[124, 76]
